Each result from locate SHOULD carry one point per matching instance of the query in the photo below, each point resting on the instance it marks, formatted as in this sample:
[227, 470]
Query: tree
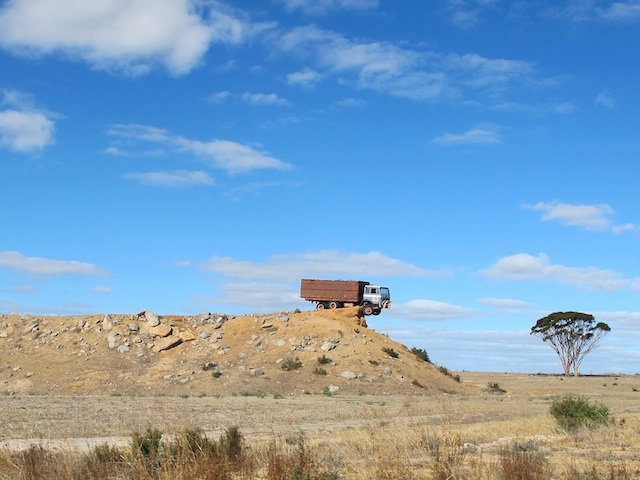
[572, 335]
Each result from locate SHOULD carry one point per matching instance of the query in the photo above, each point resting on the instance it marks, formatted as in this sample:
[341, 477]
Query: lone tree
[572, 335]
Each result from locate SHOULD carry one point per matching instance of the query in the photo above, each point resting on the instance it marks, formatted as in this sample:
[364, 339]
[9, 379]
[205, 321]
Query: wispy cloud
[605, 99]
[130, 36]
[415, 74]
[590, 217]
[431, 310]
[486, 134]
[24, 127]
[48, 267]
[324, 6]
[174, 179]
[322, 264]
[232, 157]
[525, 267]
[504, 303]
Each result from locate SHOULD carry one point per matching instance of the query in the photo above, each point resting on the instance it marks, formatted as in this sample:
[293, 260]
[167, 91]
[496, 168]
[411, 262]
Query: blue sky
[479, 157]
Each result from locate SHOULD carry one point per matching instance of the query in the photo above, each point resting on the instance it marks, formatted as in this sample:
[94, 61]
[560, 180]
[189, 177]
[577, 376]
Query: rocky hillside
[285, 353]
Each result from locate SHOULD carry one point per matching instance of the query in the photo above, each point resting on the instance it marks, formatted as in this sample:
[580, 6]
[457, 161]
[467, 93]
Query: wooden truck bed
[348, 291]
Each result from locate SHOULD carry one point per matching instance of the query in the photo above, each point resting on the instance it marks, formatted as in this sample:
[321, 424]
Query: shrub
[320, 371]
[573, 412]
[147, 444]
[421, 354]
[391, 352]
[523, 462]
[291, 364]
[494, 387]
[323, 360]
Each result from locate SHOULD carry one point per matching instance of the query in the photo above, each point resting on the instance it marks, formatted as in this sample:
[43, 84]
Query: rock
[333, 388]
[255, 372]
[123, 349]
[387, 370]
[187, 336]
[349, 375]
[326, 346]
[150, 317]
[166, 343]
[112, 339]
[279, 342]
[133, 327]
[204, 335]
[161, 330]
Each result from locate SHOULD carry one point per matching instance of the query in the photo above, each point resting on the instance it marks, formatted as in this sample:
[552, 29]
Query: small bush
[573, 412]
[209, 366]
[320, 371]
[323, 360]
[291, 364]
[495, 388]
[391, 352]
[421, 354]
[523, 462]
[375, 363]
[147, 444]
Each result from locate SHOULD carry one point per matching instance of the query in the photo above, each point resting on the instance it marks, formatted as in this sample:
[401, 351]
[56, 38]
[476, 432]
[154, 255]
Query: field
[297, 396]
[365, 436]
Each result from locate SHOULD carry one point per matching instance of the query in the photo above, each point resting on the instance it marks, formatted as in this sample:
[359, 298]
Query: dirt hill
[209, 354]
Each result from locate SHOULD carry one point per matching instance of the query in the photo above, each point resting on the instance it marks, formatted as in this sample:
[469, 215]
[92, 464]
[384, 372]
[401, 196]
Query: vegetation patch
[291, 364]
[391, 352]
[573, 412]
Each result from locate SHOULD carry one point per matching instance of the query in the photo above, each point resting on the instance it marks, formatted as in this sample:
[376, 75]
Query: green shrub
[573, 412]
[323, 360]
[391, 352]
[147, 444]
[291, 364]
[421, 354]
[320, 371]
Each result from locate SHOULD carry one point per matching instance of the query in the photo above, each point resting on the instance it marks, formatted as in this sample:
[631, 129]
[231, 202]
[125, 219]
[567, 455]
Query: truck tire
[334, 305]
[367, 309]
[320, 306]
[376, 311]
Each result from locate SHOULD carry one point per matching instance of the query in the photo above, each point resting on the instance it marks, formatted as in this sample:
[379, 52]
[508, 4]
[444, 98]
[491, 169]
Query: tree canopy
[572, 335]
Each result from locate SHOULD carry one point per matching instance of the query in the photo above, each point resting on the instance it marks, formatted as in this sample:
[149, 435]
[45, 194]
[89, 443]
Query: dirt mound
[284, 353]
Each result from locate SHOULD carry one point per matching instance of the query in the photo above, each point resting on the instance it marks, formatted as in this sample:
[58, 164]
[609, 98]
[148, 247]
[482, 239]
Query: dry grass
[508, 436]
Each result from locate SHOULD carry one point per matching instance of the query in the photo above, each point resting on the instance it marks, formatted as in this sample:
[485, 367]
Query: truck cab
[374, 299]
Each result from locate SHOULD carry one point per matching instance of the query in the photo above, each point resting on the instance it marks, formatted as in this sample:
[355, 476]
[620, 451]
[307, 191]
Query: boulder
[161, 330]
[166, 343]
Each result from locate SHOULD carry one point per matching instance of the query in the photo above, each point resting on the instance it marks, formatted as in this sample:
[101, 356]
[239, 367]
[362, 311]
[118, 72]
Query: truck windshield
[384, 291]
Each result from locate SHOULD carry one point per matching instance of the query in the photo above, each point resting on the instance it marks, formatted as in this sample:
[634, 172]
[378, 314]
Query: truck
[346, 293]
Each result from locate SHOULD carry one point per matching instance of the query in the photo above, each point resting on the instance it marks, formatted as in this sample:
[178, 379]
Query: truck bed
[348, 291]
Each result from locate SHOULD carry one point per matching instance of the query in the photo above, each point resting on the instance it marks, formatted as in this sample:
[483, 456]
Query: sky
[478, 157]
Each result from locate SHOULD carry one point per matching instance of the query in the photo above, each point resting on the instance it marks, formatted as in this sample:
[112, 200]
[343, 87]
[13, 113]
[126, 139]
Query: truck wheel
[367, 309]
[334, 305]
[320, 306]
[377, 311]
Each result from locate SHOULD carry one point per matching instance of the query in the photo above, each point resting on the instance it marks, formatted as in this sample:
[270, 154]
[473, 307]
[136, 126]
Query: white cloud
[605, 99]
[101, 289]
[178, 178]
[590, 217]
[322, 264]
[324, 6]
[387, 68]
[306, 78]
[23, 127]
[486, 134]
[264, 99]
[229, 156]
[504, 303]
[258, 296]
[525, 267]
[47, 267]
[622, 11]
[431, 310]
[131, 36]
